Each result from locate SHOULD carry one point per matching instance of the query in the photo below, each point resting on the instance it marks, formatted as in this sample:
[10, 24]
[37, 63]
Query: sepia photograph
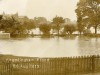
[49, 37]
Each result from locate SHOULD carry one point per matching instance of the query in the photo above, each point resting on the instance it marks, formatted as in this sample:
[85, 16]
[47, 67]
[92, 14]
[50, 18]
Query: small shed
[4, 35]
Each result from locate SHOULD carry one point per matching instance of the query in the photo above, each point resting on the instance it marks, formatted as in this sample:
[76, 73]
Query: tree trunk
[96, 29]
[58, 32]
[58, 28]
[80, 33]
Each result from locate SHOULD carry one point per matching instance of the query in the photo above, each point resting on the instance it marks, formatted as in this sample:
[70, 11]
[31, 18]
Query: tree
[8, 25]
[40, 20]
[0, 17]
[79, 12]
[58, 21]
[69, 29]
[45, 28]
[29, 25]
[94, 15]
[88, 13]
[17, 27]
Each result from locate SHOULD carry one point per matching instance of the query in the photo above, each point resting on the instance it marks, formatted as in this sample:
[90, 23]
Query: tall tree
[79, 12]
[88, 14]
[94, 13]
[58, 21]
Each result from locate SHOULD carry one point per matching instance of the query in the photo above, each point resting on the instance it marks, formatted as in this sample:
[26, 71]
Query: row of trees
[59, 26]
[18, 28]
[66, 29]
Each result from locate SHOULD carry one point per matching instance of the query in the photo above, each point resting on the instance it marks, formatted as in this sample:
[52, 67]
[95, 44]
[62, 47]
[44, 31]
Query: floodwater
[51, 47]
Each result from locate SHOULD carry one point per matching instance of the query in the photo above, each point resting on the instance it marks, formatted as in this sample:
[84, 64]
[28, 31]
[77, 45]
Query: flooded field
[50, 47]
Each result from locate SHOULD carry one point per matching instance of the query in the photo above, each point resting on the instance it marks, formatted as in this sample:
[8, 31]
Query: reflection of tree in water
[70, 37]
[90, 46]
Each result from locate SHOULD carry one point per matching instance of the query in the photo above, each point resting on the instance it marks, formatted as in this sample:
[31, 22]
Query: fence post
[93, 63]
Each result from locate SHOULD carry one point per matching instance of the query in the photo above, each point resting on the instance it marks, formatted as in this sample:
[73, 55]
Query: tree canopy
[69, 29]
[15, 27]
[58, 21]
[45, 29]
[88, 14]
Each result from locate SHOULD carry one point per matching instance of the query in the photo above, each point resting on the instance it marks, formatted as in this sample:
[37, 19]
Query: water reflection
[69, 37]
[89, 46]
[51, 47]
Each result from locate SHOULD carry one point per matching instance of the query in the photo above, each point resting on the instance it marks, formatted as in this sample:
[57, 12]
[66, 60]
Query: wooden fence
[49, 66]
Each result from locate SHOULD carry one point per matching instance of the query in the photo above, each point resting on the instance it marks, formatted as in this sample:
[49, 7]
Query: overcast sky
[43, 8]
